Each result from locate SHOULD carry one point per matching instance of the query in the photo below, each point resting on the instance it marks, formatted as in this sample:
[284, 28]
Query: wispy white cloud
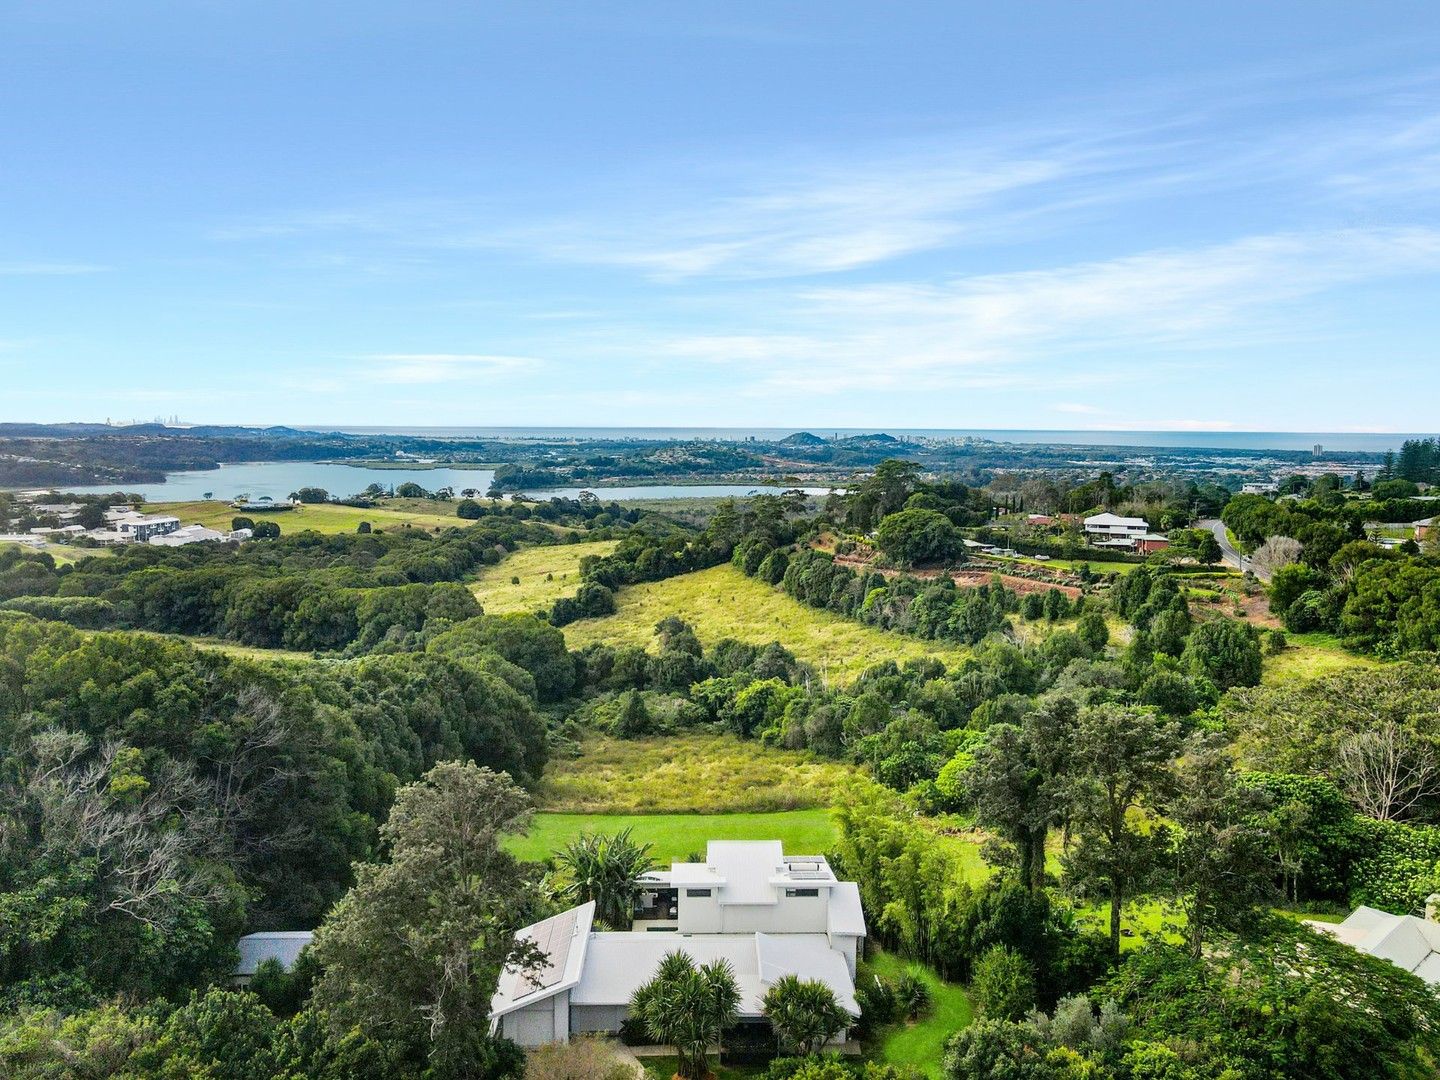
[1029, 328]
[48, 269]
[442, 367]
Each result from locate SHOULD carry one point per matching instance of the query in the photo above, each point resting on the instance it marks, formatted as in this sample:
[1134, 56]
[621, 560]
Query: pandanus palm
[607, 870]
[689, 1008]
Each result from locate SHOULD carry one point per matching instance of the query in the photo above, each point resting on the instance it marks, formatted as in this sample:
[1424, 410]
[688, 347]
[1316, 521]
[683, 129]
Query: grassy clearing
[546, 574]
[691, 773]
[675, 836]
[63, 554]
[319, 517]
[722, 602]
[1309, 656]
[921, 1044]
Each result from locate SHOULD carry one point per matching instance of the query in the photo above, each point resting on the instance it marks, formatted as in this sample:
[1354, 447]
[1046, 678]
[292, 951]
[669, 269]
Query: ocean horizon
[1367, 442]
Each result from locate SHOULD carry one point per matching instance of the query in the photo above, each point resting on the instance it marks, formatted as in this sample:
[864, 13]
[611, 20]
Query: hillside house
[189, 534]
[1423, 529]
[1100, 527]
[768, 914]
[138, 528]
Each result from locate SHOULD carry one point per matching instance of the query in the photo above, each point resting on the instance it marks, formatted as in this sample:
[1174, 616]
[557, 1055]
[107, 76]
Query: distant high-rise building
[1317, 451]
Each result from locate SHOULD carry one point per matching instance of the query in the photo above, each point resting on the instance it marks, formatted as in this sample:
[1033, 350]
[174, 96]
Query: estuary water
[277, 479]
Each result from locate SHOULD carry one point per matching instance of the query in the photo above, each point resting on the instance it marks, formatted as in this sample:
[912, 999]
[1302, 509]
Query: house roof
[1404, 940]
[282, 945]
[1115, 519]
[563, 940]
[847, 917]
[619, 964]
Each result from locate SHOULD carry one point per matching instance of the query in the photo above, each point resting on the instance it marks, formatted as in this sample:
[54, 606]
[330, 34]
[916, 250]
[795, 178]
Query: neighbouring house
[282, 945]
[1404, 940]
[1039, 519]
[1260, 489]
[1099, 527]
[139, 527]
[768, 914]
[190, 534]
[22, 538]
[1149, 542]
[63, 511]
[1423, 528]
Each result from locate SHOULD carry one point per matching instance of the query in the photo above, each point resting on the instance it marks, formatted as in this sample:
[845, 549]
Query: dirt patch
[966, 579]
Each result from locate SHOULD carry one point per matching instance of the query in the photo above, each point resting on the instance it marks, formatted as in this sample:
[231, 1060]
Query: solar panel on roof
[552, 938]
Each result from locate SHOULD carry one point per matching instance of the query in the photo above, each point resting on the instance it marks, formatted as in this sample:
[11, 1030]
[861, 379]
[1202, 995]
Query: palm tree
[803, 1013]
[607, 870]
[689, 1008]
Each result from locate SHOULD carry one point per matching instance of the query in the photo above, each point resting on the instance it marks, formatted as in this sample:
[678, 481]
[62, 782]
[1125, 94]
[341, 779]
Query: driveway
[1228, 551]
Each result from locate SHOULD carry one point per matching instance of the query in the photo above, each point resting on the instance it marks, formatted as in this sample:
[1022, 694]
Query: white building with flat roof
[1109, 526]
[766, 913]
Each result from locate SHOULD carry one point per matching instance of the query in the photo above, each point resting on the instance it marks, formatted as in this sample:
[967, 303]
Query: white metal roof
[847, 917]
[282, 945]
[618, 964]
[1404, 940]
[563, 940]
[747, 867]
[1108, 518]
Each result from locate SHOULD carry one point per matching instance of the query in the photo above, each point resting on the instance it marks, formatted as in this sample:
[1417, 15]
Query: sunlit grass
[703, 773]
[920, 1045]
[676, 836]
[1310, 656]
[722, 602]
[546, 574]
[316, 517]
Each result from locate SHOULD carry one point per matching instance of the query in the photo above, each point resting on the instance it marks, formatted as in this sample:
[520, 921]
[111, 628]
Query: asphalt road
[1232, 556]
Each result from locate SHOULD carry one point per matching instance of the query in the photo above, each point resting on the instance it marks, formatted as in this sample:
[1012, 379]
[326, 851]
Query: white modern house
[1109, 526]
[766, 913]
[1404, 940]
[129, 526]
[189, 534]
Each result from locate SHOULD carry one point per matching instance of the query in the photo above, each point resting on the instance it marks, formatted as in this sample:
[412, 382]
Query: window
[697, 892]
[802, 892]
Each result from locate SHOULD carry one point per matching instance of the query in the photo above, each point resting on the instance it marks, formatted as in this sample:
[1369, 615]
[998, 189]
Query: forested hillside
[1084, 817]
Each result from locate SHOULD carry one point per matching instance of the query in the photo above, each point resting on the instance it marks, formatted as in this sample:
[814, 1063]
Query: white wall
[543, 1022]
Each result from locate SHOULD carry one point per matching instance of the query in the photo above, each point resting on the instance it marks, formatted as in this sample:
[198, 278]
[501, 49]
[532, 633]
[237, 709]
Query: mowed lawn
[695, 773]
[546, 574]
[317, 517]
[920, 1045]
[674, 837]
[722, 602]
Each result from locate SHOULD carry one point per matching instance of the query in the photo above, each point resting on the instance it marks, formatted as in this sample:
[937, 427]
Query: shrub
[1002, 987]
[912, 995]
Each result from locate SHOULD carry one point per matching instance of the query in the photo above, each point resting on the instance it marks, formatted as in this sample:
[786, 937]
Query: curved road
[1232, 556]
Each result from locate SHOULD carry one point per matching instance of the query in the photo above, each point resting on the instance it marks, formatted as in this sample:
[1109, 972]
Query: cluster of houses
[766, 913]
[123, 525]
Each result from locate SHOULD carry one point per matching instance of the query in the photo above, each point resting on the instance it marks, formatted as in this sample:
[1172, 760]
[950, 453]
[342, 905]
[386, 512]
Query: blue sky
[1087, 215]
